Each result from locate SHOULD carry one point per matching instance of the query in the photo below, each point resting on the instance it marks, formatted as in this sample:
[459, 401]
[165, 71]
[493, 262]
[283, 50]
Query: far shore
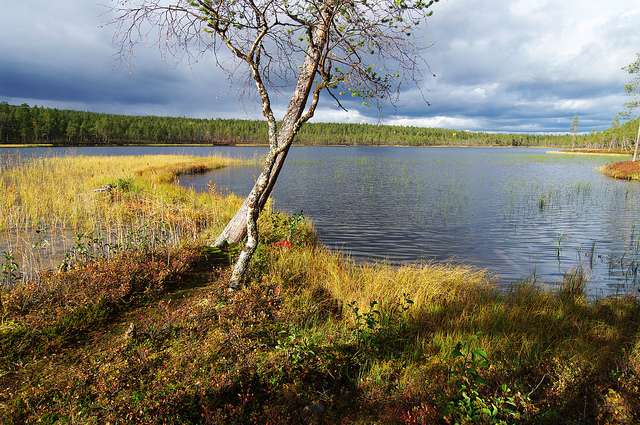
[591, 153]
[29, 145]
[259, 145]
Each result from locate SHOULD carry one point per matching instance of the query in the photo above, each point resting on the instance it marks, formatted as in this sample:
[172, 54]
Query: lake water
[521, 213]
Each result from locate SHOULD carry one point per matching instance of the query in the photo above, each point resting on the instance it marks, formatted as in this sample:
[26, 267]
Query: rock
[315, 408]
[130, 333]
[105, 188]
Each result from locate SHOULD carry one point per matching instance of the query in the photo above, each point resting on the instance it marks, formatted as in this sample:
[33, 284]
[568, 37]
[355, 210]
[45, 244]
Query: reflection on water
[518, 212]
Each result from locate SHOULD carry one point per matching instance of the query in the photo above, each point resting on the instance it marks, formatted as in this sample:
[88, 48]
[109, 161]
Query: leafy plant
[298, 347]
[124, 185]
[472, 403]
[287, 229]
[294, 223]
[366, 322]
[82, 251]
[9, 269]
[375, 324]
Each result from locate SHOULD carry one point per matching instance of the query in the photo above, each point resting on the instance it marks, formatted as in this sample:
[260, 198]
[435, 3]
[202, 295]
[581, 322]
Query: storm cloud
[524, 65]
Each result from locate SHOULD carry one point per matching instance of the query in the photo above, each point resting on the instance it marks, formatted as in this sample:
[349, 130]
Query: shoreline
[561, 152]
[258, 145]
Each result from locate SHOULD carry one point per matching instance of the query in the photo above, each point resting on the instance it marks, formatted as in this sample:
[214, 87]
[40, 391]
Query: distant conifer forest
[26, 124]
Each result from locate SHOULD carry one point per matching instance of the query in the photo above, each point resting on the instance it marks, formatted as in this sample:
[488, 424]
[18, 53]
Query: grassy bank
[596, 152]
[151, 336]
[62, 209]
[627, 170]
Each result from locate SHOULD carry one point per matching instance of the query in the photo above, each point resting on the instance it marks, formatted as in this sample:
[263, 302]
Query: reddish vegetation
[152, 338]
[283, 244]
[626, 170]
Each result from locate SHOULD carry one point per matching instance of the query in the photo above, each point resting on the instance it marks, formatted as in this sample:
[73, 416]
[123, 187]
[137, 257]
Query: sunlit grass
[50, 207]
[61, 192]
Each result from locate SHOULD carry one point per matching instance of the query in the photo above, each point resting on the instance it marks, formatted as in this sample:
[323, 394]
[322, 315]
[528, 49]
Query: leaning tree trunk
[635, 152]
[280, 143]
[253, 211]
[259, 195]
[265, 181]
[236, 229]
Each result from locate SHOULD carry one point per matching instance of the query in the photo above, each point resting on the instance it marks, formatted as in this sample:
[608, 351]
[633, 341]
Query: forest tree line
[26, 124]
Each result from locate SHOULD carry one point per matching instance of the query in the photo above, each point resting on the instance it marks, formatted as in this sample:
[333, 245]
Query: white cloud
[352, 116]
[438, 121]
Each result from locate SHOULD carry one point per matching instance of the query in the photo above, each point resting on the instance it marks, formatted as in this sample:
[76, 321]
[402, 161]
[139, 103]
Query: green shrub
[472, 403]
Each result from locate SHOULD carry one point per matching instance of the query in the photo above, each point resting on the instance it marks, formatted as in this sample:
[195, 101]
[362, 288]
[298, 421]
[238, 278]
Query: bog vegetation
[25, 125]
[625, 170]
[68, 208]
[149, 333]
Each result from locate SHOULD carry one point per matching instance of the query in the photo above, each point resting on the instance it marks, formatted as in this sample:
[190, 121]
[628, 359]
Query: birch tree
[319, 48]
[632, 88]
[575, 123]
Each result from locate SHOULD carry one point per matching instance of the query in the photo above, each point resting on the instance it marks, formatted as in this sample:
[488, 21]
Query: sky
[499, 65]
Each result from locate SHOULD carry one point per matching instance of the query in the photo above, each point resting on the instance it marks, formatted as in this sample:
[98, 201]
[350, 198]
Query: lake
[519, 212]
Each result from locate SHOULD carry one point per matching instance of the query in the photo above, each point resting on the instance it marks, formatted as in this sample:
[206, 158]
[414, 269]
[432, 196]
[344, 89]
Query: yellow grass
[592, 153]
[61, 192]
[455, 302]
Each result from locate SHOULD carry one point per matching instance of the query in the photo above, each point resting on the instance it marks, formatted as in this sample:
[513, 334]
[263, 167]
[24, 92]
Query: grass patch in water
[62, 191]
[57, 210]
[594, 152]
[626, 170]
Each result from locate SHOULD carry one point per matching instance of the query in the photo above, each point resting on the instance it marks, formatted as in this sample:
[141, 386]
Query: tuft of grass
[626, 170]
[574, 283]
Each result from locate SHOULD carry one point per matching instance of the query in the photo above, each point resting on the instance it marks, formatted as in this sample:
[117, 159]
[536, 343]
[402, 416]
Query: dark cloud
[42, 81]
[521, 65]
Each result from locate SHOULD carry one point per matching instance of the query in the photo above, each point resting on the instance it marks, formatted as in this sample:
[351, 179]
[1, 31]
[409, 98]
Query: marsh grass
[61, 192]
[57, 210]
[574, 283]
